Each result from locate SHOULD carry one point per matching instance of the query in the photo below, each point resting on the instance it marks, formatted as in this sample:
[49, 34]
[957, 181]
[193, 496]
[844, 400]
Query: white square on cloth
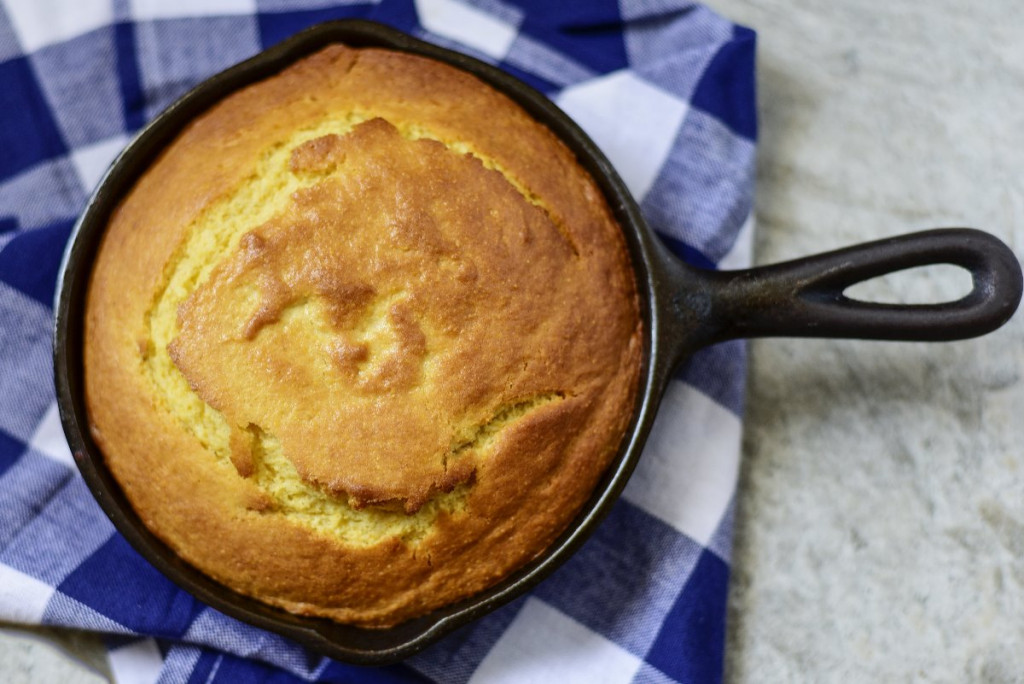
[467, 25]
[742, 253]
[49, 439]
[545, 645]
[633, 122]
[687, 473]
[39, 23]
[164, 9]
[139, 662]
[22, 598]
[91, 161]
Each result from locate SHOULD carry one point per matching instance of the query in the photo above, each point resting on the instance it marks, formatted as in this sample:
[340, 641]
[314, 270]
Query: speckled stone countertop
[880, 526]
[880, 521]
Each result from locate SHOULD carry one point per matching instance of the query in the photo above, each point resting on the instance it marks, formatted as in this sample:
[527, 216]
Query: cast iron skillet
[683, 309]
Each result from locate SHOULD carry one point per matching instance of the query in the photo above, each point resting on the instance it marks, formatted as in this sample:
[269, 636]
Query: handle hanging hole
[933, 284]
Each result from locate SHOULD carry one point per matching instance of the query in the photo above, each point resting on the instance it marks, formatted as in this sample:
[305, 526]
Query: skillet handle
[804, 297]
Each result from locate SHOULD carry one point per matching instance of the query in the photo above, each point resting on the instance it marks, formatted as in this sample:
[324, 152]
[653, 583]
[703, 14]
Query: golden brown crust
[439, 301]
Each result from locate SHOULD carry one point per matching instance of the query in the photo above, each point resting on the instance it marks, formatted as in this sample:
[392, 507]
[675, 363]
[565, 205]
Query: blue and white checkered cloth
[665, 87]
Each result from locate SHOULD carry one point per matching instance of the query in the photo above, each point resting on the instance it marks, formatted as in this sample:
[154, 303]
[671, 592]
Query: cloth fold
[666, 89]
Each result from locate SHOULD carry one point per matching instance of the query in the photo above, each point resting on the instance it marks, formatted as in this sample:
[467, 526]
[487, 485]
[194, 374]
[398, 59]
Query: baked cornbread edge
[209, 515]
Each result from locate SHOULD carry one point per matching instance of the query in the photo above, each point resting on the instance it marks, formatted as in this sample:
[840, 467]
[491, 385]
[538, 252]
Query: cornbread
[363, 338]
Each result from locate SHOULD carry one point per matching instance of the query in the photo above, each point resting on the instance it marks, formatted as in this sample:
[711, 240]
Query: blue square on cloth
[728, 83]
[276, 25]
[133, 100]
[399, 14]
[212, 667]
[348, 674]
[172, 52]
[689, 645]
[10, 451]
[81, 85]
[28, 133]
[590, 31]
[140, 598]
[29, 262]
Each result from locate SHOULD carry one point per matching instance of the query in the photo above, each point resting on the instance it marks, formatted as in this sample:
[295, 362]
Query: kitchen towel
[666, 89]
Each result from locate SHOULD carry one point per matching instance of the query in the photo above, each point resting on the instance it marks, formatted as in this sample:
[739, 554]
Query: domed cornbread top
[362, 339]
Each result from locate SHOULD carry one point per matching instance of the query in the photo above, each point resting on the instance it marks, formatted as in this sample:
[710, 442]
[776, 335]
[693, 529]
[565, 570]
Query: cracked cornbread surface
[362, 339]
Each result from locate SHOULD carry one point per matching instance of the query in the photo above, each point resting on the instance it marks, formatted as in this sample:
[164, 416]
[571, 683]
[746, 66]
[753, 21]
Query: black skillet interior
[683, 309]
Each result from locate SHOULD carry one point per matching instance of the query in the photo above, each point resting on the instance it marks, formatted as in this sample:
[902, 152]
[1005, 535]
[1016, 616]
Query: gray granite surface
[43, 656]
[880, 524]
[880, 527]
